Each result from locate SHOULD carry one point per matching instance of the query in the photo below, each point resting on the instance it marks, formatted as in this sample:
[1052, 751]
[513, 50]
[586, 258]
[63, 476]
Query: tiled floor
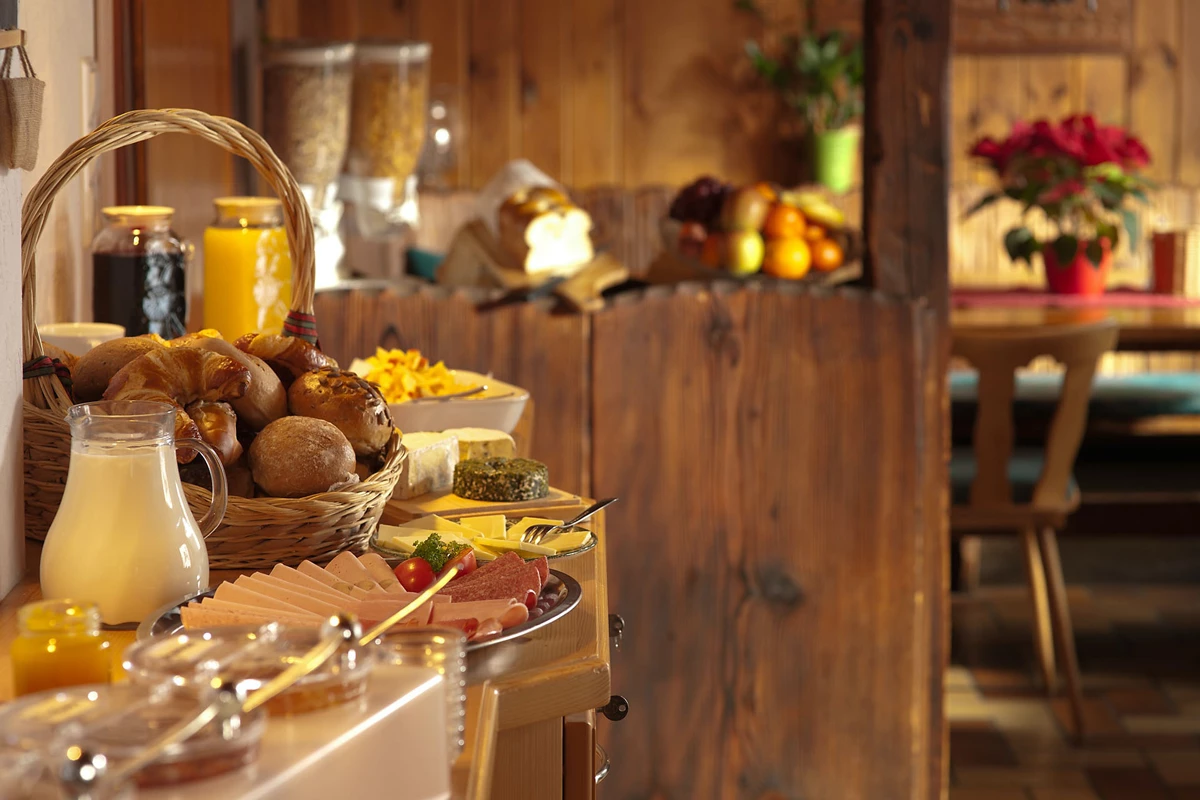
[1139, 650]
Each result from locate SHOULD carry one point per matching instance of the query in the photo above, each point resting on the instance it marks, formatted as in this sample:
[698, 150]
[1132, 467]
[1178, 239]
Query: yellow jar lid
[59, 616]
[137, 212]
[250, 210]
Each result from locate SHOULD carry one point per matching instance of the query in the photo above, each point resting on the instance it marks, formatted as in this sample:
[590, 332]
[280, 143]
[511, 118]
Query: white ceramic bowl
[499, 408]
[79, 337]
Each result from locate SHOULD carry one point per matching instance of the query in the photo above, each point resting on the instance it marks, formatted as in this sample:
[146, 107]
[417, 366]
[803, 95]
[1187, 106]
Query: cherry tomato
[414, 574]
[467, 559]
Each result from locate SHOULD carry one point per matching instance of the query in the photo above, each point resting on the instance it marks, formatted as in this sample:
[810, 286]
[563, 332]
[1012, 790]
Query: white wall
[60, 44]
[60, 38]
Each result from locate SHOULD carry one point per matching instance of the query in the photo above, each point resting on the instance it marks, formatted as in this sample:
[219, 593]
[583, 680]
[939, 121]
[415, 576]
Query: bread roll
[265, 400]
[97, 366]
[299, 456]
[289, 356]
[218, 429]
[351, 403]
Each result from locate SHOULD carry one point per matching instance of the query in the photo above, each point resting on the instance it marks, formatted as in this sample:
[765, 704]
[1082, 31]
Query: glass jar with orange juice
[60, 644]
[247, 267]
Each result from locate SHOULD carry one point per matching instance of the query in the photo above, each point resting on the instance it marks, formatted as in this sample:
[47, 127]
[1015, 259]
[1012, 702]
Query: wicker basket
[256, 532]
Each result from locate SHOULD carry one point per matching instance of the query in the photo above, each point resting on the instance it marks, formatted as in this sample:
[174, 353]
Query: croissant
[288, 356]
[180, 376]
[218, 427]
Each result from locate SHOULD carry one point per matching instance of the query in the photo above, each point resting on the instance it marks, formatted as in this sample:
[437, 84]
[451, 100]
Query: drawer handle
[605, 763]
[616, 709]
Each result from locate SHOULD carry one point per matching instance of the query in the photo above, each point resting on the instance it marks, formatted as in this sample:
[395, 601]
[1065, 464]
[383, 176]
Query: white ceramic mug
[79, 337]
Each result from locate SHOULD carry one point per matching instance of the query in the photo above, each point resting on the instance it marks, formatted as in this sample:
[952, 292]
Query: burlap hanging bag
[20, 112]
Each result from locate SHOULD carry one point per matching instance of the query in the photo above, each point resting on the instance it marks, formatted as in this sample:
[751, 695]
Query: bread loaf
[347, 401]
[300, 456]
[544, 232]
[96, 368]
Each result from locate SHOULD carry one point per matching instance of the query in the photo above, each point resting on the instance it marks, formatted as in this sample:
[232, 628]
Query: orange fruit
[784, 222]
[827, 255]
[787, 258]
[814, 233]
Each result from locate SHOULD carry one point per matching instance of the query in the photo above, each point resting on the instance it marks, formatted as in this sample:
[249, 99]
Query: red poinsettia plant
[1079, 174]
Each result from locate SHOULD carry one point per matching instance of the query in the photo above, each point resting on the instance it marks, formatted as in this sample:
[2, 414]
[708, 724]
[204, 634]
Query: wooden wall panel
[1153, 82]
[752, 666]
[594, 106]
[188, 66]
[543, 37]
[1189, 95]
[442, 23]
[494, 95]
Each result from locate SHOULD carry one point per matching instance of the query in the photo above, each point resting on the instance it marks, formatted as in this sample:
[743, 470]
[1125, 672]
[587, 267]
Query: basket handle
[137, 126]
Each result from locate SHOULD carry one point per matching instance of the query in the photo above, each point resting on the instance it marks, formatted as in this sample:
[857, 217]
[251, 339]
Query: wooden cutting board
[398, 512]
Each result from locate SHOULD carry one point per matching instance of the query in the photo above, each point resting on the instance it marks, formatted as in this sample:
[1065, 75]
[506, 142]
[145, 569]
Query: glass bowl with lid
[250, 656]
[120, 721]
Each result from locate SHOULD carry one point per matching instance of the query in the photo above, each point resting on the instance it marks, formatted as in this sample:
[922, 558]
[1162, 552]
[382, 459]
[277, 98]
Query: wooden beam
[906, 136]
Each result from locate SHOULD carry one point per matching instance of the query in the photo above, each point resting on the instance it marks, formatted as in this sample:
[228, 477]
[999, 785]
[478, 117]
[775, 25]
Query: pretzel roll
[288, 356]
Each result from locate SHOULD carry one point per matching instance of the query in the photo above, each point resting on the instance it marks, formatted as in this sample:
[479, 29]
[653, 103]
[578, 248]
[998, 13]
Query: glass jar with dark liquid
[139, 267]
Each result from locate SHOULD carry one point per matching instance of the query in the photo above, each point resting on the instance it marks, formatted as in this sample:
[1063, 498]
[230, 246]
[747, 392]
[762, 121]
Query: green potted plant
[1079, 175]
[820, 78]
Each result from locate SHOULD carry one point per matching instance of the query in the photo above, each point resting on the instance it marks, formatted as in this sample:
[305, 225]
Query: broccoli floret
[437, 552]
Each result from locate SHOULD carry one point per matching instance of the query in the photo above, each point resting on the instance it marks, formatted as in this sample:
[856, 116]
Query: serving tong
[85, 775]
[536, 534]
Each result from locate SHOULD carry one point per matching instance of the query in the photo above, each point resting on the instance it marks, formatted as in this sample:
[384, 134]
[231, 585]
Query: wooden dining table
[1169, 326]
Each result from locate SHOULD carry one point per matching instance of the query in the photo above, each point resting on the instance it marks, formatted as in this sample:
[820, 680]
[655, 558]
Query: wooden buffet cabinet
[531, 704]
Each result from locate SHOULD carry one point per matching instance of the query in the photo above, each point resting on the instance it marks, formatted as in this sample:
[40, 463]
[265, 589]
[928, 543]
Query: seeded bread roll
[97, 366]
[299, 456]
[351, 403]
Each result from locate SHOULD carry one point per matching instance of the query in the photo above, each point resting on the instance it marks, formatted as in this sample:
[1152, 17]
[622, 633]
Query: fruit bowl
[850, 240]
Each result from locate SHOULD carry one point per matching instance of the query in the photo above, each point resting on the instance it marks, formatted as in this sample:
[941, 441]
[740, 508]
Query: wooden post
[906, 139]
[905, 223]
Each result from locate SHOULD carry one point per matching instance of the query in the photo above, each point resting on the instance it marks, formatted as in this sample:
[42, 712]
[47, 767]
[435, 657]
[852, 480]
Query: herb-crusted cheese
[483, 443]
[429, 466]
[501, 480]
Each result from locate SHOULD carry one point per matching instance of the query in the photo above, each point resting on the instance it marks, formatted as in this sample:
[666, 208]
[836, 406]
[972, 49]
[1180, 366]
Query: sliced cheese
[380, 572]
[317, 573]
[520, 526]
[208, 614]
[483, 443]
[489, 525]
[507, 544]
[433, 522]
[429, 466]
[348, 568]
[293, 595]
[567, 541]
[260, 614]
[240, 594]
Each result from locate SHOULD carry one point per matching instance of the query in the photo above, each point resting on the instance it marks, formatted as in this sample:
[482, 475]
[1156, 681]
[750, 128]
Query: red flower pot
[1081, 276]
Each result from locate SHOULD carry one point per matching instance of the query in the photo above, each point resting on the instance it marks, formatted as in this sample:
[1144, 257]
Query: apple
[745, 252]
[745, 210]
[714, 250]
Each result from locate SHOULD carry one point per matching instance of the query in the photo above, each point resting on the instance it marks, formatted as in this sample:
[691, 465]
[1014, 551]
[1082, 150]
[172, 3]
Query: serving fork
[536, 534]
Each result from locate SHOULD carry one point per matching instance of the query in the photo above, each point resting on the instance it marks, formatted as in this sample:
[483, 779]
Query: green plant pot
[834, 156]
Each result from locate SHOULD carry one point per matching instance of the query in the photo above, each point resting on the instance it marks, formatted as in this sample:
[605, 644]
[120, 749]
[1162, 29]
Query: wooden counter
[520, 694]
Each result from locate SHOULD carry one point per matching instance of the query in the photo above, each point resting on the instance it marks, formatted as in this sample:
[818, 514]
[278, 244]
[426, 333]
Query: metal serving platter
[560, 594]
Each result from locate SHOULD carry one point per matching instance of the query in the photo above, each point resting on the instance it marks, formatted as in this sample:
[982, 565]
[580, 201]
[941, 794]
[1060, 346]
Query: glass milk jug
[124, 536]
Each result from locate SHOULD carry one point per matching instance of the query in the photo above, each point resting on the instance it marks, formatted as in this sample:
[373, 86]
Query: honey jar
[60, 644]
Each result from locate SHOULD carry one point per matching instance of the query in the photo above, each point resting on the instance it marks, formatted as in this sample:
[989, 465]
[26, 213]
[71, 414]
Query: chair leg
[1043, 634]
[1064, 633]
[969, 551]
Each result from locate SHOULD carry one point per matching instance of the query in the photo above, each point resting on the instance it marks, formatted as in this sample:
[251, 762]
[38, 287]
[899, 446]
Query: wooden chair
[995, 489]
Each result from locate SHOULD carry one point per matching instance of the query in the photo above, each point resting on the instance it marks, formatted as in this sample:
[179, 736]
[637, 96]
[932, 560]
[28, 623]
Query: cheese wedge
[521, 525]
[482, 443]
[501, 545]
[429, 466]
[490, 525]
